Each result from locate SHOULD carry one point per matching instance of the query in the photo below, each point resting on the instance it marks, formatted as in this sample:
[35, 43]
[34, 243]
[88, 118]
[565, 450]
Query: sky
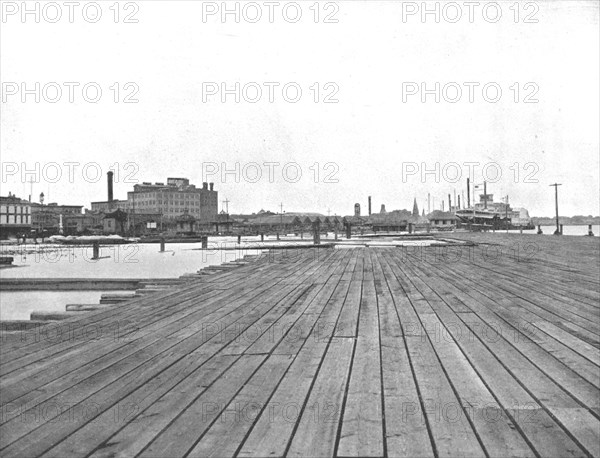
[360, 126]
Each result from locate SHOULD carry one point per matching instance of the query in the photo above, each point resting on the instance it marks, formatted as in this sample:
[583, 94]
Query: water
[116, 261]
[18, 305]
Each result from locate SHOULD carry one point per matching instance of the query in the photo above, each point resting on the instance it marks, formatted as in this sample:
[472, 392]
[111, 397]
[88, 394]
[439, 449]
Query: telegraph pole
[556, 185]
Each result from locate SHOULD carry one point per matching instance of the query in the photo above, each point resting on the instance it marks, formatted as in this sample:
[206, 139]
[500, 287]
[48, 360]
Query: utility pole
[226, 202]
[556, 185]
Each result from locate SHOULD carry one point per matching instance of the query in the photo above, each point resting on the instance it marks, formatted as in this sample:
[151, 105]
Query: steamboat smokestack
[369, 205]
[109, 177]
[468, 193]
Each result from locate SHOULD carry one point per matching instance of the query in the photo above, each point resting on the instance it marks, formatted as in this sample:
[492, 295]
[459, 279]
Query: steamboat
[487, 214]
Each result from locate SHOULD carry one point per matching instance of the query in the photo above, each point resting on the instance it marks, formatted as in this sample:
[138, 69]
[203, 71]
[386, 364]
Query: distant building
[15, 216]
[394, 221]
[115, 222]
[442, 220]
[171, 201]
[294, 222]
[78, 223]
[47, 217]
[176, 198]
[108, 206]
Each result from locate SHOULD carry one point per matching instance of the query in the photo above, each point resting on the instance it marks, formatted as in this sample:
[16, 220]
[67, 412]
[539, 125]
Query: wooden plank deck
[487, 350]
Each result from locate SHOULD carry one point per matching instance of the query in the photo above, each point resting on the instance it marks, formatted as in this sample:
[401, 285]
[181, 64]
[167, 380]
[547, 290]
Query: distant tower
[382, 209]
[357, 209]
[415, 208]
[42, 198]
[369, 205]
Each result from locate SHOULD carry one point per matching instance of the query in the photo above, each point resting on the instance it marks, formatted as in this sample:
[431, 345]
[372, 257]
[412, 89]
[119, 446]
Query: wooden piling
[96, 250]
[317, 232]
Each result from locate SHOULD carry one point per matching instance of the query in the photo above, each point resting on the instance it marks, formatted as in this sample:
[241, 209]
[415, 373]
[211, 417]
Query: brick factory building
[171, 201]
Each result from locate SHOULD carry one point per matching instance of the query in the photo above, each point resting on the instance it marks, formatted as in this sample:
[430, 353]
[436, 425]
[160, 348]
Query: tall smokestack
[459, 202]
[428, 203]
[369, 205]
[109, 177]
[468, 193]
[449, 203]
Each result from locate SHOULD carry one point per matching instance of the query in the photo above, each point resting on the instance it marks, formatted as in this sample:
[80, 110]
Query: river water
[116, 261]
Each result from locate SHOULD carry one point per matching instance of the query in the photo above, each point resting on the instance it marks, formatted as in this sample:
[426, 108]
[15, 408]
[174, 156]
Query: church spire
[415, 211]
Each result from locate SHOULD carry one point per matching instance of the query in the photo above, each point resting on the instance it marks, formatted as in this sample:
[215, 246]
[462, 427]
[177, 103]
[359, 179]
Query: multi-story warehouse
[15, 216]
[176, 198]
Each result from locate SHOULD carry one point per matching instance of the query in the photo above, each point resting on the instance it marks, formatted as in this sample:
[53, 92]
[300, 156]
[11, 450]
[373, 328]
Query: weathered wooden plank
[362, 424]
[317, 430]
[227, 431]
